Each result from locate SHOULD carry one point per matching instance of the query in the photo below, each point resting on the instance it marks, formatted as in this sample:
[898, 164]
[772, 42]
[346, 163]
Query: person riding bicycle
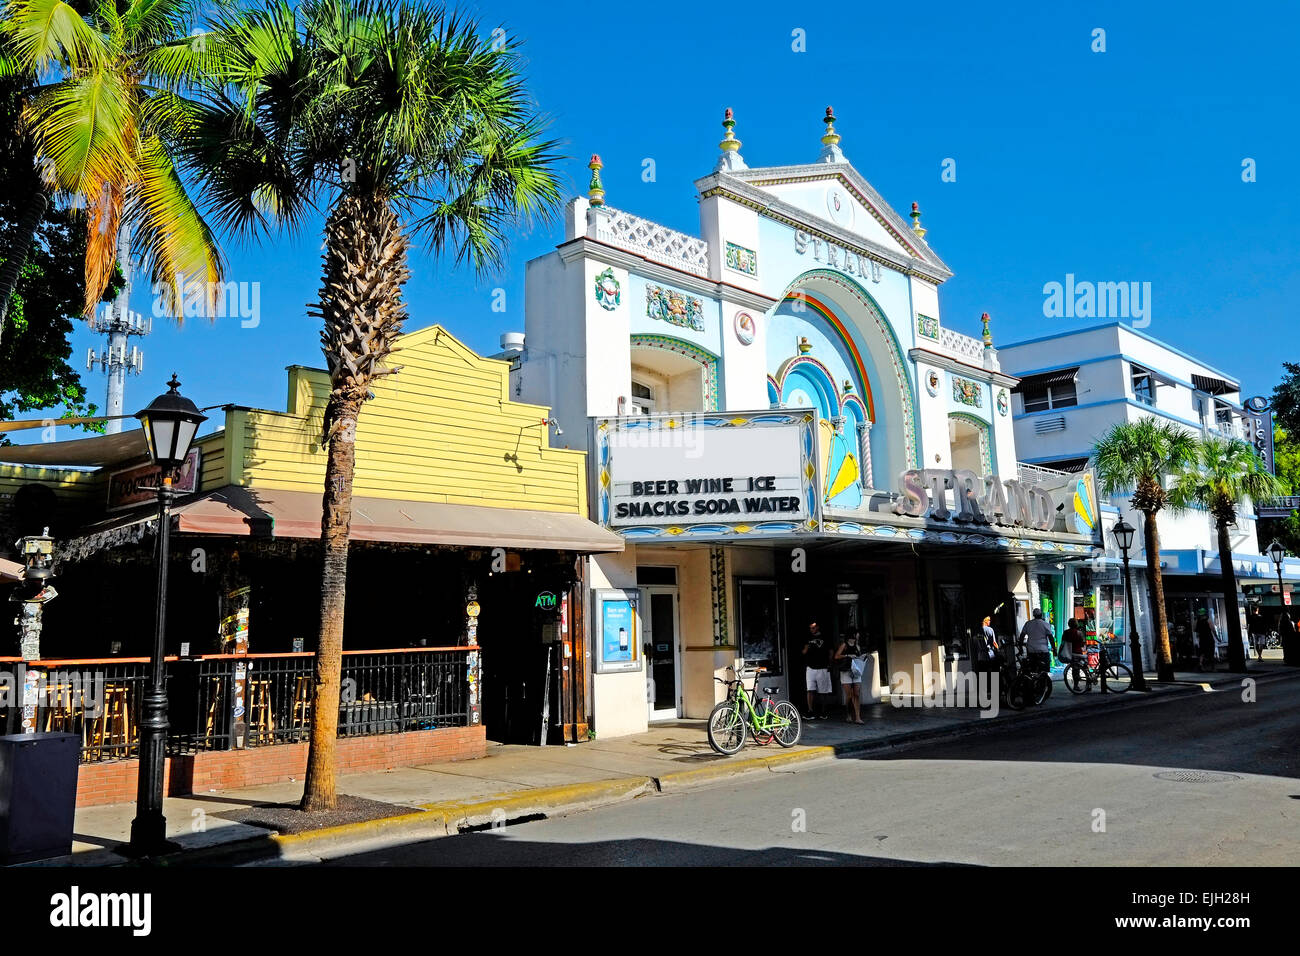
[1038, 641]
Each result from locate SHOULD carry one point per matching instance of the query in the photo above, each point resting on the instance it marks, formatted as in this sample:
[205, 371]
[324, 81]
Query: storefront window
[760, 625]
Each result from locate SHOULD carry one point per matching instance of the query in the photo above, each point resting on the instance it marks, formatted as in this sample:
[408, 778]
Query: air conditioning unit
[1044, 426]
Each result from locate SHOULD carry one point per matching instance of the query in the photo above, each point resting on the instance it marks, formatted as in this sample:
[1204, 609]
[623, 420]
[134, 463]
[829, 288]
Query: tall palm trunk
[1160, 620]
[1236, 654]
[20, 245]
[362, 311]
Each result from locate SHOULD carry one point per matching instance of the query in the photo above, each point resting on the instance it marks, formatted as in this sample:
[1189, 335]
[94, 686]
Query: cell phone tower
[119, 323]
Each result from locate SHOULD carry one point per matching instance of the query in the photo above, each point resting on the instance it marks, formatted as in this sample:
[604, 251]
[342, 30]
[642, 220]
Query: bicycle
[1080, 675]
[733, 719]
[1020, 686]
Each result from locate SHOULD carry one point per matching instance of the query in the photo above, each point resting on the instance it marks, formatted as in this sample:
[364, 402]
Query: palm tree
[1223, 473]
[396, 118]
[107, 105]
[1137, 458]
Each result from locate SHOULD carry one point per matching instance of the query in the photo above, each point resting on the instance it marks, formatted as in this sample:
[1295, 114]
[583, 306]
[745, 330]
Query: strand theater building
[783, 429]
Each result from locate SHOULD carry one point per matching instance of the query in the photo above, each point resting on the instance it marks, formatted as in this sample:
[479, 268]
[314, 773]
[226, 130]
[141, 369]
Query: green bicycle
[738, 716]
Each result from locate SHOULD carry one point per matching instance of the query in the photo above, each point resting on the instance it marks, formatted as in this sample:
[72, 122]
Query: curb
[449, 818]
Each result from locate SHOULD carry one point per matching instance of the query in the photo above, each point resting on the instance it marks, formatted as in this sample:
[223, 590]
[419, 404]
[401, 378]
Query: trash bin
[38, 795]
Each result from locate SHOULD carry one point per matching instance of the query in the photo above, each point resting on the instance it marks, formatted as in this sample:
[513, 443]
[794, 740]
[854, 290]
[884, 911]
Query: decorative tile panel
[967, 392]
[674, 307]
[927, 327]
[741, 259]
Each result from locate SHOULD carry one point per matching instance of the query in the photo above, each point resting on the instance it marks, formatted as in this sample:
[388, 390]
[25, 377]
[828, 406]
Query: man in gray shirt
[1038, 640]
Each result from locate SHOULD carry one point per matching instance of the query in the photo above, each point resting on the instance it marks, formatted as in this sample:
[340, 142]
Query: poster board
[618, 647]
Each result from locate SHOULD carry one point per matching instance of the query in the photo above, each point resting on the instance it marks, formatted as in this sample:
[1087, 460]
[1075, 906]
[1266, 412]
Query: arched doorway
[671, 374]
[969, 444]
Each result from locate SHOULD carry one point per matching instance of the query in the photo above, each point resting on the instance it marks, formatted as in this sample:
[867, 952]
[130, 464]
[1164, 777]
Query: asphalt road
[1083, 792]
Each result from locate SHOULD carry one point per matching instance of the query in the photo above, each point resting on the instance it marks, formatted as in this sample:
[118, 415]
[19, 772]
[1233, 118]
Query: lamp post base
[148, 839]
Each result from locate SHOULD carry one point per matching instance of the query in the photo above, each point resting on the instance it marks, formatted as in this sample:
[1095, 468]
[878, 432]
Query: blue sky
[1117, 166]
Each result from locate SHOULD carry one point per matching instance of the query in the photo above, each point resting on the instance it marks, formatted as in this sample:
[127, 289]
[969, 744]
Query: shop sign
[837, 257]
[1258, 423]
[472, 609]
[546, 601]
[980, 499]
[132, 486]
[750, 470]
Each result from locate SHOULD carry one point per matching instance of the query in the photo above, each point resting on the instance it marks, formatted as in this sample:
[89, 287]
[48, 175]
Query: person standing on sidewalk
[1286, 633]
[1072, 639]
[1205, 638]
[1038, 641]
[992, 648]
[849, 651]
[817, 670]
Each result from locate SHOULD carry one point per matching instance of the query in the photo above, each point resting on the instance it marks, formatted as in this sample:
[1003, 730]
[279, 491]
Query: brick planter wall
[116, 781]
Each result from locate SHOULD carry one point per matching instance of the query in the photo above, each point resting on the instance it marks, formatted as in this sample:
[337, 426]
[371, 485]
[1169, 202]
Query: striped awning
[1215, 386]
[1040, 381]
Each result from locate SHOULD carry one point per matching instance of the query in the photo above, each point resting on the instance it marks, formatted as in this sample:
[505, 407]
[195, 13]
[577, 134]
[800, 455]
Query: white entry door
[662, 640]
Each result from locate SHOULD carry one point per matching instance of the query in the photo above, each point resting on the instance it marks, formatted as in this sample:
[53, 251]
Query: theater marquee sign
[978, 499]
[745, 473]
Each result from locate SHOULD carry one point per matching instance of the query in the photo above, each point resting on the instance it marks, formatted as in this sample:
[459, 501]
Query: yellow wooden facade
[442, 429]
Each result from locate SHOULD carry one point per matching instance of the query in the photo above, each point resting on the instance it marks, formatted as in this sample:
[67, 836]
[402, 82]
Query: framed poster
[618, 647]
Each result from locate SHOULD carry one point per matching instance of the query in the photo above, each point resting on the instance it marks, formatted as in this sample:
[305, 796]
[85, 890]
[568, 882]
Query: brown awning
[88, 452]
[1042, 380]
[297, 514]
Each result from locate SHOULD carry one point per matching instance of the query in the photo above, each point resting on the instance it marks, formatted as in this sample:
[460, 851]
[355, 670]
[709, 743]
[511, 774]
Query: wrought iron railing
[228, 701]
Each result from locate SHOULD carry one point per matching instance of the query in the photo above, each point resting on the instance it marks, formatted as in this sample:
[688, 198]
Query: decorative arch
[702, 356]
[773, 392]
[807, 370]
[985, 436]
[892, 348]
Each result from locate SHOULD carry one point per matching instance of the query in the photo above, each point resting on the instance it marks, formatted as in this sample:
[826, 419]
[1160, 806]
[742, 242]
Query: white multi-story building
[784, 430]
[1074, 385]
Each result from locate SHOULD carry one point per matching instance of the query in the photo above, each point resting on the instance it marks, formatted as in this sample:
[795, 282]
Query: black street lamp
[170, 423]
[1123, 532]
[1277, 554]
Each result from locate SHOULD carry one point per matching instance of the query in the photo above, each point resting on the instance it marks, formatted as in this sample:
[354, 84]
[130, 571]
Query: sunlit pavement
[1097, 791]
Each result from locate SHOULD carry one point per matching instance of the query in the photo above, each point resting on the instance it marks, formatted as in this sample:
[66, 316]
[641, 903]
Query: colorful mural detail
[707, 360]
[673, 307]
[1085, 506]
[1004, 402]
[967, 392]
[927, 327]
[745, 328]
[608, 292]
[839, 468]
[902, 376]
[932, 382]
[741, 259]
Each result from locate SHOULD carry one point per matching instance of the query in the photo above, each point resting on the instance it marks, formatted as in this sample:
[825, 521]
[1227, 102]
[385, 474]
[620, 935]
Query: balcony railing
[267, 696]
[655, 242]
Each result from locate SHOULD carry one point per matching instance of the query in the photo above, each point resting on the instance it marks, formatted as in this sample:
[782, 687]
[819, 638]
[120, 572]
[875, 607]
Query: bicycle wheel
[1118, 678]
[790, 727]
[1015, 696]
[1076, 678]
[1042, 688]
[726, 729]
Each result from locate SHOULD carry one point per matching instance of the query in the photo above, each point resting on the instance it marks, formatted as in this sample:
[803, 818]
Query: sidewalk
[514, 782]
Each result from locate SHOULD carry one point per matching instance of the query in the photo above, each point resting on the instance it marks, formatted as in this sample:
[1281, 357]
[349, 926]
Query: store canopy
[86, 452]
[1032, 383]
[297, 514]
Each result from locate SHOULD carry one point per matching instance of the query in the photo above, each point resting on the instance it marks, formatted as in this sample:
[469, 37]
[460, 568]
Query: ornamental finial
[916, 221]
[596, 189]
[830, 137]
[730, 146]
[831, 140]
[988, 336]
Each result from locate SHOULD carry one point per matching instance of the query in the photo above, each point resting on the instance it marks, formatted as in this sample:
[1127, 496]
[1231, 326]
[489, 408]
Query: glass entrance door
[662, 643]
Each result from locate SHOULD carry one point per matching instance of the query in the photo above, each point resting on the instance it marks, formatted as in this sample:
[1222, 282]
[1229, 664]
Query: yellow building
[469, 539]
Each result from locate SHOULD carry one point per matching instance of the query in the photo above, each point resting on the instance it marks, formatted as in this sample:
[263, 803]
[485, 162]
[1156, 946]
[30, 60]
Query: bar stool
[261, 722]
[301, 716]
[215, 696]
[64, 707]
[112, 729]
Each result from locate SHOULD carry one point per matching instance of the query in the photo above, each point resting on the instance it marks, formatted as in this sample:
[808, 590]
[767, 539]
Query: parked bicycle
[1080, 675]
[739, 716]
[1022, 685]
